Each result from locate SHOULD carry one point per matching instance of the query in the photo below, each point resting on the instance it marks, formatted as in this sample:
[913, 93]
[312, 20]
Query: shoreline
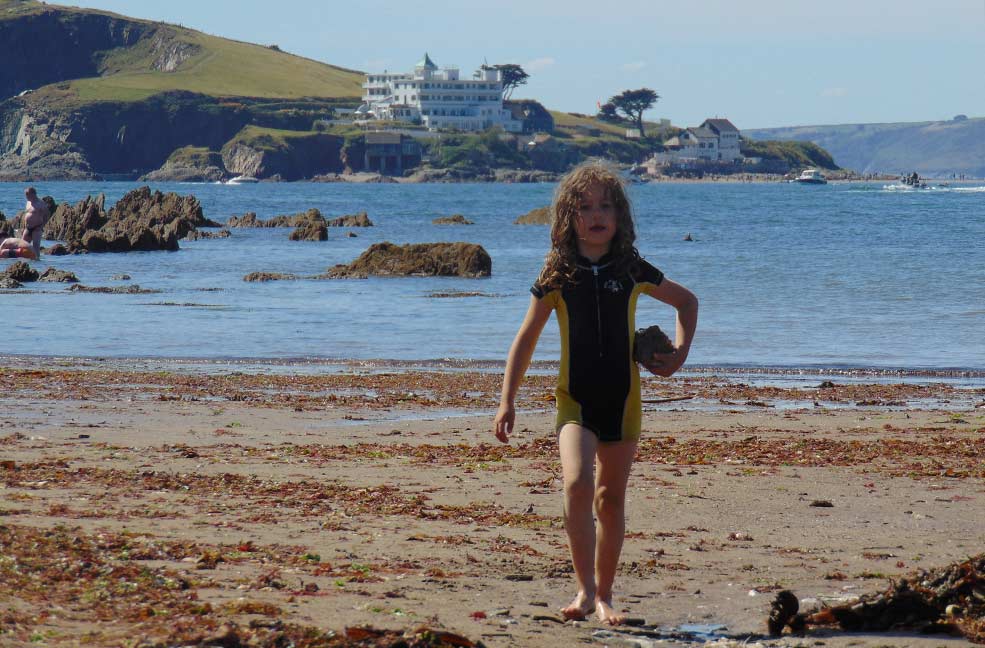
[375, 178]
[318, 366]
[194, 506]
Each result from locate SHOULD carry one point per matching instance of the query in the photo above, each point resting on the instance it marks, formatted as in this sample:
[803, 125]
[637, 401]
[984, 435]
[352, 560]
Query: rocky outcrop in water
[421, 259]
[71, 222]
[269, 276]
[132, 289]
[58, 276]
[140, 221]
[249, 219]
[538, 216]
[296, 220]
[360, 219]
[310, 231]
[20, 271]
[454, 219]
[196, 235]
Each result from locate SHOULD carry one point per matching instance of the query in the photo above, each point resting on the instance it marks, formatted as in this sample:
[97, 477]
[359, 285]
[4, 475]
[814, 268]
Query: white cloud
[834, 92]
[539, 64]
[635, 66]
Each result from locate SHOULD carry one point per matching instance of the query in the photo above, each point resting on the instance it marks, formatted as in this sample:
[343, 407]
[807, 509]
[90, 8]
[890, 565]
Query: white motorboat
[811, 176]
[242, 180]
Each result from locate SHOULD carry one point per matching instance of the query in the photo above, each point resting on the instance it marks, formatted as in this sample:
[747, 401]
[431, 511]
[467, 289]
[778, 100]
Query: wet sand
[168, 508]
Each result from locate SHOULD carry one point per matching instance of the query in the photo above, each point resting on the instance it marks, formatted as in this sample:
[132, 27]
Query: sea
[854, 277]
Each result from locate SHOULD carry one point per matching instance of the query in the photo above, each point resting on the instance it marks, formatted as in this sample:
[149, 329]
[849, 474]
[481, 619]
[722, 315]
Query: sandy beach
[174, 508]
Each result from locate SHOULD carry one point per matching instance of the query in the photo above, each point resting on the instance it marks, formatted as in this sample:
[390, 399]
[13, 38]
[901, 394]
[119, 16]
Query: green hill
[100, 56]
[939, 148]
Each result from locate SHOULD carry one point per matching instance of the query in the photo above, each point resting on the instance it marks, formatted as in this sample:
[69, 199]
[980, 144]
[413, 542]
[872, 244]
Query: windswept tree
[607, 112]
[632, 104]
[513, 76]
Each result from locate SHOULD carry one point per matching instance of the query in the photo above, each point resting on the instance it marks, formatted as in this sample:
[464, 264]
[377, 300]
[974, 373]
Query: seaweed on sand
[949, 599]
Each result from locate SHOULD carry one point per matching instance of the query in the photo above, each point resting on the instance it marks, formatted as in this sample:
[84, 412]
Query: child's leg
[615, 461]
[577, 447]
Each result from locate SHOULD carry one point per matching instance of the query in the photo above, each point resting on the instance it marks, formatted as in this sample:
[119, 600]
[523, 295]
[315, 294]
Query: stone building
[391, 153]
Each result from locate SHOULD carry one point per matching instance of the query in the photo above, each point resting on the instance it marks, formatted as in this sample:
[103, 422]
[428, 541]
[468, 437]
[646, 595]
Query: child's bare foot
[606, 615]
[580, 608]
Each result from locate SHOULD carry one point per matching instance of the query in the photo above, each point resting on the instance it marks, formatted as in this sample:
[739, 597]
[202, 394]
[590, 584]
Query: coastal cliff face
[292, 159]
[51, 46]
[128, 138]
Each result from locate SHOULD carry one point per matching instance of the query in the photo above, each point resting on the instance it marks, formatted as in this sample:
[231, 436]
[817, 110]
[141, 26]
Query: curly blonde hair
[561, 261]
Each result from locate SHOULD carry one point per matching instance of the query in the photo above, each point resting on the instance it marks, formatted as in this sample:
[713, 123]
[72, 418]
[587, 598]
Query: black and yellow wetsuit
[599, 383]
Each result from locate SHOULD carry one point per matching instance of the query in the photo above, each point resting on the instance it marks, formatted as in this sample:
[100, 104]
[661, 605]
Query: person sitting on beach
[592, 277]
[28, 246]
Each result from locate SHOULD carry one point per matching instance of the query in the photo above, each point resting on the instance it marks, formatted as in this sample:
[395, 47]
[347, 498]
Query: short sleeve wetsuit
[599, 382]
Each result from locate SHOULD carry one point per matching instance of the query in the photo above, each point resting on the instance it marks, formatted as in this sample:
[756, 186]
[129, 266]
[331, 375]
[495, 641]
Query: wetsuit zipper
[598, 307]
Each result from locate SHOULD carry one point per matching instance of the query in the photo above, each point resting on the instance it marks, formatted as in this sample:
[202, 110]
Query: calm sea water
[788, 275]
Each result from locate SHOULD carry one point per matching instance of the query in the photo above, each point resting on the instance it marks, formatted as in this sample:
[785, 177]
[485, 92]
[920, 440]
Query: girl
[592, 278]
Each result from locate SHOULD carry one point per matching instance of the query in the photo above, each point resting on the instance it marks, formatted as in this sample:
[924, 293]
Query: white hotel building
[439, 99]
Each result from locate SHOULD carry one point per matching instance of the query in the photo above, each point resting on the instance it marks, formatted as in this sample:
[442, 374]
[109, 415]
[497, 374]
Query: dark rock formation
[454, 219]
[20, 271]
[360, 219]
[6, 227]
[195, 235]
[58, 276]
[538, 216]
[140, 220]
[421, 259]
[310, 231]
[249, 219]
[132, 289]
[70, 223]
[296, 220]
[120, 277]
[57, 250]
[269, 276]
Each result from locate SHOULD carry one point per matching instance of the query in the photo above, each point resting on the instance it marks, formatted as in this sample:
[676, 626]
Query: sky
[759, 63]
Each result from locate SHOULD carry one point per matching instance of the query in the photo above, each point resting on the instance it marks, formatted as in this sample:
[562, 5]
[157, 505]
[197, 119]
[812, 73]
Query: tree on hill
[632, 104]
[513, 76]
[607, 112]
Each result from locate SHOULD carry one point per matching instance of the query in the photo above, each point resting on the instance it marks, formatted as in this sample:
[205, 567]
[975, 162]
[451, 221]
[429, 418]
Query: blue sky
[760, 63]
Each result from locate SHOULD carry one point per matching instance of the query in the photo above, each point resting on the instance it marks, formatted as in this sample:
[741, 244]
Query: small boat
[242, 180]
[811, 176]
[913, 181]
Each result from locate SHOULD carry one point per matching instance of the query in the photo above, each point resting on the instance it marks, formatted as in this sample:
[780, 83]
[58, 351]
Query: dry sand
[155, 508]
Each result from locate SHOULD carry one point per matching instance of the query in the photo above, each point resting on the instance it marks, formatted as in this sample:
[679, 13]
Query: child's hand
[664, 364]
[503, 423]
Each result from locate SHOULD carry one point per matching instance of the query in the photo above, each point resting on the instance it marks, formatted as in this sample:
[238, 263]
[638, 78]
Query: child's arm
[516, 364]
[682, 299]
